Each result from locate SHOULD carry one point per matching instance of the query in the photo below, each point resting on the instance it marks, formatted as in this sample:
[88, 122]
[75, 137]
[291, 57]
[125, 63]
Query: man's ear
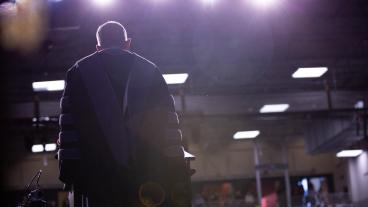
[98, 48]
[127, 44]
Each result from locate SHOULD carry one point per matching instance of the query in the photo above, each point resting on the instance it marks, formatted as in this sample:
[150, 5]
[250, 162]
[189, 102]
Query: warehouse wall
[234, 160]
[358, 177]
[20, 173]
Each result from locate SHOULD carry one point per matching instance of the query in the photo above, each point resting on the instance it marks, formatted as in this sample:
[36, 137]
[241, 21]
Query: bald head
[112, 34]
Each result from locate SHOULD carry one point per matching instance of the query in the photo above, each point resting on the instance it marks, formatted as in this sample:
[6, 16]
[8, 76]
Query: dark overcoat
[119, 128]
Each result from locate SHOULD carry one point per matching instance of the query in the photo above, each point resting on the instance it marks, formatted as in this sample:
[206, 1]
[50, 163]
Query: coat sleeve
[172, 136]
[158, 124]
[68, 153]
[168, 139]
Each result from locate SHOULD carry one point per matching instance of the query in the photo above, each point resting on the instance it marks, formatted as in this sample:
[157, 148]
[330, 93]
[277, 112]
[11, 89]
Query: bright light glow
[359, 105]
[57, 85]
[37, 148]
[103, 2]
[264, 3]
[271, 108]
[178, 78]
[159, 1]
[209, 2]
[50, 147]
[246, 134]
[314, 72]
[349, 153]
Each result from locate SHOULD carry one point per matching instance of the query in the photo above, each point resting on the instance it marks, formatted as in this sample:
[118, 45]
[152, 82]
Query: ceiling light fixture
[349, 153]
[178, 78]
[246, 134]
[272, 108]
[56, 85]
[50, 147]
[37, 148]
[313, 72]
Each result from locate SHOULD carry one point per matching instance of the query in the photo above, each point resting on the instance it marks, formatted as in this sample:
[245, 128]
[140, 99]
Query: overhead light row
[311, 72]
[36, 148]
[268, 108]
[179, 78]
[59, 85]
[254, 133]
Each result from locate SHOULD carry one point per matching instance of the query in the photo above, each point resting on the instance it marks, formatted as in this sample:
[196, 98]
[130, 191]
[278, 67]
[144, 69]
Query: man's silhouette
[119, 142]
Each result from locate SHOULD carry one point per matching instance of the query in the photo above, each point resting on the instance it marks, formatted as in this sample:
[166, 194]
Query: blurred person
[270, 197]
[250, 199]
[120, 143]
[324, 195]
[202, 198]
[281, 193]
[270, 200]
[199, 201]
[239, 200]
[250, 196]
[226, 195]
[311, 196]
[297, 194]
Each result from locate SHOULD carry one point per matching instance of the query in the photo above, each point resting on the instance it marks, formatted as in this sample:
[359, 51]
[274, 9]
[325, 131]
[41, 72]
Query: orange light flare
[23, 25]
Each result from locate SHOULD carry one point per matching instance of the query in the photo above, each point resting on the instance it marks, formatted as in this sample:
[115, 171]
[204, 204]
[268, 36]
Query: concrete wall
[18, 174]
[236, 160]
[232, 160]
[20, 165]
[358, 177]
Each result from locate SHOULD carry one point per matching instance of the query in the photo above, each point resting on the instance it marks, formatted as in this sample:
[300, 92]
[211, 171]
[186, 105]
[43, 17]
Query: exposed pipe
[328, 94]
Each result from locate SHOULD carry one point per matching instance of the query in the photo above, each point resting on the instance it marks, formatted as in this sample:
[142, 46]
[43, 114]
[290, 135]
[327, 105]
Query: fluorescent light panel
[246, 134]
[188, 155]
[272, 108]
[178, 78]
[56, 85]
[50, 147]
[349, 153]
[313, 72]
[37, 148]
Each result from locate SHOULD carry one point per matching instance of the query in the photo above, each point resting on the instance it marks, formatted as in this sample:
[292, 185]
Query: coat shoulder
[87, 59]
[144, 61]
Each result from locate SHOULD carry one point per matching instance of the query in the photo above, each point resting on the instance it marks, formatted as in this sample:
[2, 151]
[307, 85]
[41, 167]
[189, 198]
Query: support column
[286, 175]
[258, 173]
